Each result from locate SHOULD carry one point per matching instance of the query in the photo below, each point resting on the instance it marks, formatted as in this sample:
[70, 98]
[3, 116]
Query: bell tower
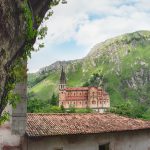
[62, 83]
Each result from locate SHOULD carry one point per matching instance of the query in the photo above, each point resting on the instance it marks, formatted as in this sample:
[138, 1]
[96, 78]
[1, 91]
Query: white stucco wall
[12, 131]
[6, 137]
[135, 140]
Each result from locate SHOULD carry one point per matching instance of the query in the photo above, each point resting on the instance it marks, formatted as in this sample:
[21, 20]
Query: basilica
[82, 97]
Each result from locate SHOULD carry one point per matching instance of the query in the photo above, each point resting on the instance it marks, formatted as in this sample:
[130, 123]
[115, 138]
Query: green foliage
[14, 99]
[146, 114]
[41, 106]
[114, 65]
[32, 81]
[84, 110]
[129, 109]
[54, 100]
[52, 109]
[46, 87]
[71, 109]
[96, 80]
[35, 105]
[88, 110]
[4, 117]
[30, 31]
[16, 70]
[16, 73]
[62, 109]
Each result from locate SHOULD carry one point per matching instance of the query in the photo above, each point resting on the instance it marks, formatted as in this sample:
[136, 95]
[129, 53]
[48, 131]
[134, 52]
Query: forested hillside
[120, 65]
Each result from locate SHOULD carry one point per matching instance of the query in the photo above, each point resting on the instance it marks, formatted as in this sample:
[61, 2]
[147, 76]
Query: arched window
[93, 102]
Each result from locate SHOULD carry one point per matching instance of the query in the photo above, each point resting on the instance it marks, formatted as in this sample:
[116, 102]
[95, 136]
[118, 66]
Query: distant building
[82, 97]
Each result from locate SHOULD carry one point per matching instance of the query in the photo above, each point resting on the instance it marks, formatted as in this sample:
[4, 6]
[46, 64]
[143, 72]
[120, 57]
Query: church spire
[62, 84]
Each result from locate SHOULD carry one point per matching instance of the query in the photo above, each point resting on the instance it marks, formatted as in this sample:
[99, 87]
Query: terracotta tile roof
[76, 88]
[65, 124]
[83, 88]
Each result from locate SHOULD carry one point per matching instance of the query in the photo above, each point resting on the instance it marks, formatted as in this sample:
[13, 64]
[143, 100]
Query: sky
[77, 26]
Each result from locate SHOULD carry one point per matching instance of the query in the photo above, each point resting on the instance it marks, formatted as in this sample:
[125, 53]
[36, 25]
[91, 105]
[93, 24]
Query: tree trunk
[12, 36]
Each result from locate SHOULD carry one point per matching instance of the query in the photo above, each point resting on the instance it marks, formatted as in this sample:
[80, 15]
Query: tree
[54, 100]
[71, 109]
[62, 109]
[19, 35]
[131, 110]
[35, 105]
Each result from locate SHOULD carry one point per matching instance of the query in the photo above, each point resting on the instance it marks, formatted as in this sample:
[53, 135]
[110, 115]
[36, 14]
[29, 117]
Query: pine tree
[53, 100]
[62, 109]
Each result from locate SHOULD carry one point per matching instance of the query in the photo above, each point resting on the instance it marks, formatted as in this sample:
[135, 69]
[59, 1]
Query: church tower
[62, 83]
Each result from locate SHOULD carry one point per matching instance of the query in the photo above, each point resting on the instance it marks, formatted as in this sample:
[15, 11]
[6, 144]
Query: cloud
[72, 21]
[87, 23]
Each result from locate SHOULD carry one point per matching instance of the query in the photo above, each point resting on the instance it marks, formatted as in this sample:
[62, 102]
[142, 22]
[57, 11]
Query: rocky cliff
[121, 66]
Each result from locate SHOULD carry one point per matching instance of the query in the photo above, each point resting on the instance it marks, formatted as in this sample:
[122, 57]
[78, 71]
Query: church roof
[82, 88]
[76, 88]
[67, 124]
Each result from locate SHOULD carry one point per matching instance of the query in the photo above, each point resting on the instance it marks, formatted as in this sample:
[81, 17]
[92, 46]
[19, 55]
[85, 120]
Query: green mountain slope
[121, 65]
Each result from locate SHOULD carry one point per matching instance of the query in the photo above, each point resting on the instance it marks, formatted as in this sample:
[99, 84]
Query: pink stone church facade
[82, 97]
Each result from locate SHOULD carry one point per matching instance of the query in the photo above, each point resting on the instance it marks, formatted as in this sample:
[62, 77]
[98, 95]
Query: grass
[116, 80]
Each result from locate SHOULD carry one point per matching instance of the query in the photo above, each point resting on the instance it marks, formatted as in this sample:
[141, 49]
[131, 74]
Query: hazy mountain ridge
[123, 61]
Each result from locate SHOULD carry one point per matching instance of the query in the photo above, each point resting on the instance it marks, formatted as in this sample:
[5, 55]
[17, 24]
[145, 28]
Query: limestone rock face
[12, 35]
[122, 64]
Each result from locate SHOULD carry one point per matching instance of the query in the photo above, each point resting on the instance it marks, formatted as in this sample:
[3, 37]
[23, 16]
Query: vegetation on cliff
[120, 65]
